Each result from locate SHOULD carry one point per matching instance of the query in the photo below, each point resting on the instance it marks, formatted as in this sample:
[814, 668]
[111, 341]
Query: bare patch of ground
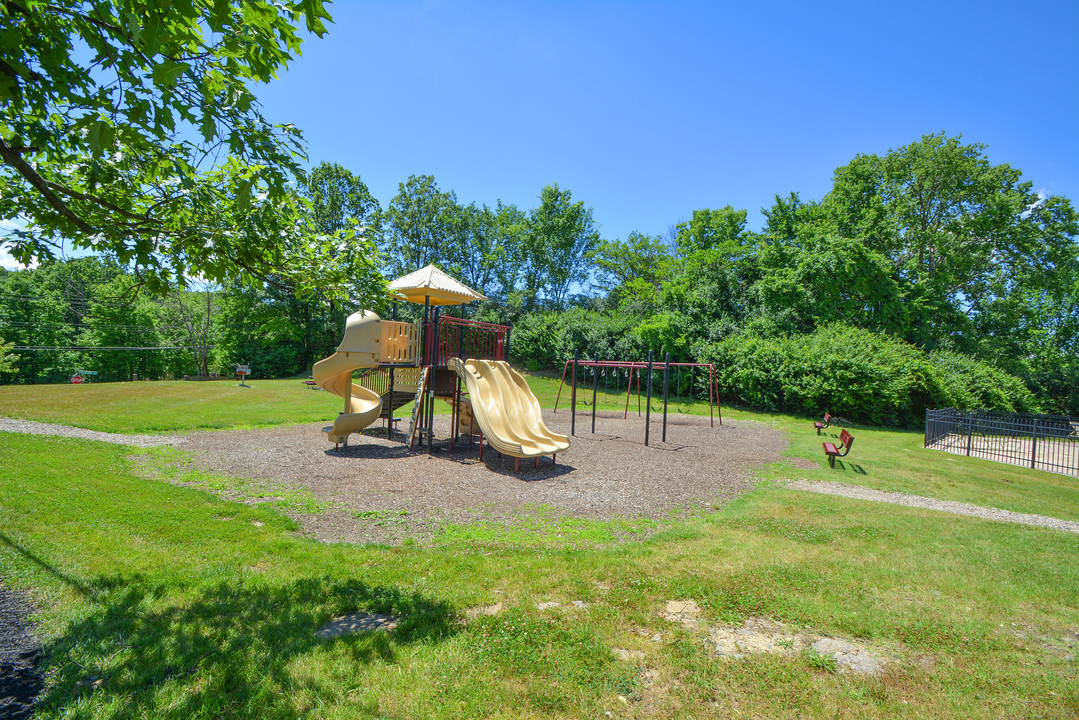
[759, 635]
[377, 491]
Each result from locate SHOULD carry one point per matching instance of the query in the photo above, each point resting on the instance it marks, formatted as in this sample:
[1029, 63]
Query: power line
[121, 347]
[70, 300]
[88, 325]
[77, 300]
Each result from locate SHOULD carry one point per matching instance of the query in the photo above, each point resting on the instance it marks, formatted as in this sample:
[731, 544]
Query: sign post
[80, 376]
[243, 371]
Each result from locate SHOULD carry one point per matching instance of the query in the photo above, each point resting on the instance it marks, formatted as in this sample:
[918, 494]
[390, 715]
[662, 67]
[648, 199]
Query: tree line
[929, 271]
[95, 313]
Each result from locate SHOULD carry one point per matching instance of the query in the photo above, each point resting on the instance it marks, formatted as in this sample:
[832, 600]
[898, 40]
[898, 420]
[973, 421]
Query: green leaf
[219, 15]
[243, 196]
[167, 73]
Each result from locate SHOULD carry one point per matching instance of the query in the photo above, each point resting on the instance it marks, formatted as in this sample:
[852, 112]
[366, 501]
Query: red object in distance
[76, 379]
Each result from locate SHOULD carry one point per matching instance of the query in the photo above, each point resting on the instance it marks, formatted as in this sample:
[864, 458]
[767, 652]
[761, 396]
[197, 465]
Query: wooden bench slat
[833, 451]
[821, 425]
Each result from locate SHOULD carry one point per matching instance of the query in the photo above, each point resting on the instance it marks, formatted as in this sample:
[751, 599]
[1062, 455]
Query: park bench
[833, 451]
[821, 425]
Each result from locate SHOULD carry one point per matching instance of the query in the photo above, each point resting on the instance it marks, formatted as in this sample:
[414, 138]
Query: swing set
[635, 369]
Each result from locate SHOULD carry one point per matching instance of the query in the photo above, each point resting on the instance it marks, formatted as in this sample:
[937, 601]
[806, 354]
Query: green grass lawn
[169, 406]
[161, 601]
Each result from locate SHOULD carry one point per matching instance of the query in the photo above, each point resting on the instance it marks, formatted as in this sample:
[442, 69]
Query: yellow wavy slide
[506, 410]
[359, 349]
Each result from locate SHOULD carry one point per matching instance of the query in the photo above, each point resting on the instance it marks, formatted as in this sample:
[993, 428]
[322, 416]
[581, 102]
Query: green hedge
[547, 340]
[859, 375]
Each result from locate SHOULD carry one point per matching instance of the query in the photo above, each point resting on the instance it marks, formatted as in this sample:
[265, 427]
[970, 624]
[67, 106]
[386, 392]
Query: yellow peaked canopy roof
[431, 282]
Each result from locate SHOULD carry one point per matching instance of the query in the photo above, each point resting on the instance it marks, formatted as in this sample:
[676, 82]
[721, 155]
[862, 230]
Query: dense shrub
[857, 374]
[973, 384]
[547, 340]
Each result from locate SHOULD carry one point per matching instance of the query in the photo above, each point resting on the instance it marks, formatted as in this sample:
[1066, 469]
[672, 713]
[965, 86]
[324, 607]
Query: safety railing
[396, 386]
[447, 337]
[1042, 442]
[400, 343]
[466, 339]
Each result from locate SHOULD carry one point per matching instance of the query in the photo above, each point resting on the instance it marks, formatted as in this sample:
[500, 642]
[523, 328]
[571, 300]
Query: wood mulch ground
[380, 492]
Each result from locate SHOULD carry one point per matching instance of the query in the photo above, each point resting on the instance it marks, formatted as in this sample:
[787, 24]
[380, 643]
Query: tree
[419, 223]
[507, 254]
[119, 318]
[826, 280]
[341, 210]
[963, 233]
[7, 359]
[33, 315]
[275, 332]
[722, 230]
[130, 127]
[561, 234]
[474, 240]
[340, 202]
[646, 257]
[189, 320]
[634, 267]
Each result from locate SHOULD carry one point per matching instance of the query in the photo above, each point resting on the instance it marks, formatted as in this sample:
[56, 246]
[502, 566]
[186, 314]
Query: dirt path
[38, 428]
[949, 506]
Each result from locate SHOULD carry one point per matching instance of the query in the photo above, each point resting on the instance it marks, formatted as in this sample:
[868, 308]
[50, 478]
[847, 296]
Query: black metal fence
[1042, 442]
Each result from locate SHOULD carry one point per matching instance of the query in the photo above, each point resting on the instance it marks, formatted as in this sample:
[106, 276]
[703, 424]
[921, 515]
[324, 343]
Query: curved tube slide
[506, 410]
[359, 349]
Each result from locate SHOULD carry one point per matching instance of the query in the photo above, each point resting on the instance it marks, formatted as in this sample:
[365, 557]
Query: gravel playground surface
[379, 492]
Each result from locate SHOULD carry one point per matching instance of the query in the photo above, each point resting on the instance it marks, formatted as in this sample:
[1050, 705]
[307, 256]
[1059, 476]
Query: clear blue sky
[649, 110]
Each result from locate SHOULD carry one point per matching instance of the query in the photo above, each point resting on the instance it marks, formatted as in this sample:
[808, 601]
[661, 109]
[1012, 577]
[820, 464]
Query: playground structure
[648, 369]
[421, 362]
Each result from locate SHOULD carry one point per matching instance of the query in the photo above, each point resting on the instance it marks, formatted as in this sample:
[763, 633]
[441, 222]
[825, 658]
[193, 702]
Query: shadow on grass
[72, 582]
[227, 649]
[845, 465]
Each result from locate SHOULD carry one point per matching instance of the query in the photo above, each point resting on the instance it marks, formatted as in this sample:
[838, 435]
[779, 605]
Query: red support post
[638, 394]
[560, 384]
[711, 384]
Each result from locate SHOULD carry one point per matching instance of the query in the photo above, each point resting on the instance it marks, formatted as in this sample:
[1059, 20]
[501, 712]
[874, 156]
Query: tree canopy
[130, 127]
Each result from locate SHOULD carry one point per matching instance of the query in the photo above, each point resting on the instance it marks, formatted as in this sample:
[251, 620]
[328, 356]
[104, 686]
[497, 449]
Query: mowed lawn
[164, 601]
[169, 406]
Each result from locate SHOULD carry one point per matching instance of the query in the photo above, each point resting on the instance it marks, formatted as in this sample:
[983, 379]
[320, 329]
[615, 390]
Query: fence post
[970, 431]
[1034, 445]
